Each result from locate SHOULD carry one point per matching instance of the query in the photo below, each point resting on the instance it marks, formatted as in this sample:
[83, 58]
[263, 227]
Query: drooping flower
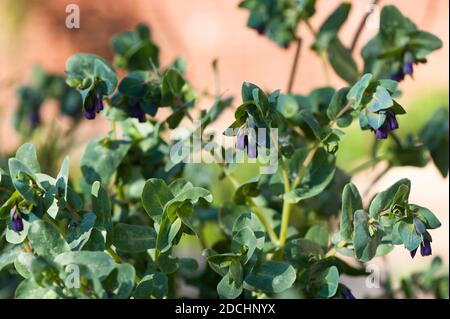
[425, 245]
[93, 106]
[136, 112]
[406, 67]
[389, 125]
[16, 222]
[346, 292]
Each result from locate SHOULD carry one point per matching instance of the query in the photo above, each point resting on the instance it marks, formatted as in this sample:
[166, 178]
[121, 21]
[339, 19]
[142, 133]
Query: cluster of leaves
[278, 20]
[44, 86]
[120, 230]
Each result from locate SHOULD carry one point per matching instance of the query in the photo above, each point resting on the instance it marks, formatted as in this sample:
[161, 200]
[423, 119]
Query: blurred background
[33, 32]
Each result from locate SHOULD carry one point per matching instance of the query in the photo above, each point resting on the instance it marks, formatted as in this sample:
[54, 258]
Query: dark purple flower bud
[90, 107]
[389, 125]
[16, 222]
[392, 121]
[98, 104]
[136, 112]
[398, 77]
[425, 247]
[381, 133]
[348, 294]
[413, 253]
[34, 119]
[90, 115]
[408, 68]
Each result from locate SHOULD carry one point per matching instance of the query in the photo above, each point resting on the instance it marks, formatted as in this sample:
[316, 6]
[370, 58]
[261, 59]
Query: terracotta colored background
[33, 31]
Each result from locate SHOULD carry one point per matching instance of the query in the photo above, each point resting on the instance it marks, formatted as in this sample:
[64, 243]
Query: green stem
[114, 255]
[366, 165]
[287, 207]
[257, 210]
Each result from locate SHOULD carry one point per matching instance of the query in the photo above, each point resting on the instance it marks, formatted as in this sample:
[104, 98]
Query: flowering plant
[123, 229]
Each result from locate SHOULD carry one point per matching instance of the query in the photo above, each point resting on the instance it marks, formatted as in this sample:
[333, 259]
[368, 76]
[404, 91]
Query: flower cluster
[425, 245]
[93, 106]
[404, 68]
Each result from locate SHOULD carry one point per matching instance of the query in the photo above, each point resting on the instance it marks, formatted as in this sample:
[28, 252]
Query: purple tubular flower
[398, 77]
[16, 222]
[408, 68]
[89, 114]
[347, 293]
[136, 112]
[90, 108]
[98, 104]
[389, 125]
[425, 247]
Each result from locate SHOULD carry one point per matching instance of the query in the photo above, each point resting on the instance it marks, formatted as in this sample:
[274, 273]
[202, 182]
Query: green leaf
[365, 244]
[23, 262]
[317, 175]
[99, 263]
[135, 84]
[384, 200]
[227, 288]
[89, 66]
[172, 82]
[302, 252]
[120, 282]
[331, 26]
[328, 283]
[430, 220]
[351, 202]
[167, 232]
[9, 255]
[244, 241]
[308, 118]
[153, 286]
[133, 238]
[102, 158]
[79, 235]
[356, 92]
[338, 103]
[271, 277]
[27, 155]
[342, 61]
[155, 196]
[21, 176]
[318, 234]
[29, 289]
[409, 236]
[435, 137]
[46, 240]
[245, 191]
[381, 100]
[101, 206]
